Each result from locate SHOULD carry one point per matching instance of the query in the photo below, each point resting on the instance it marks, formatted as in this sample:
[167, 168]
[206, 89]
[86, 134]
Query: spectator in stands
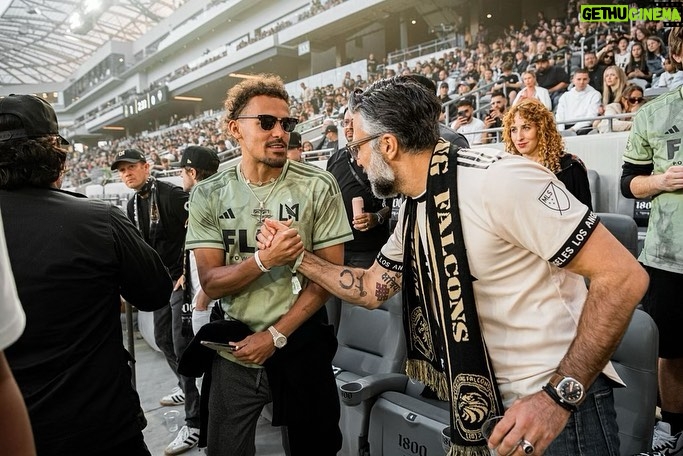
[72, 259]
[294, 148]
[613, 84]
[582, 101]
[652, 168]
[630, 100]
[196, 164]
[666, 79]
[159, 211]
[14, 422]
[520, 64]
[332, 137]
[499, 106]
[443, 93]
[622, 54]
[260, 294]
[372, 226]
[595, 70]
[323, 128]
[655, 56]
[466, 123]
[529, 130]
[533, 90]
[308, 146]
[551, 77]
[508, 82]
[510, 241]
[636, 70]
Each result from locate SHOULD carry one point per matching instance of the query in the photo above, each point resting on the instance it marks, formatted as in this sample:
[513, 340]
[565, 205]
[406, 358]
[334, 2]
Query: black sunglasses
[354, 146]
[636, 100]
[268, 122]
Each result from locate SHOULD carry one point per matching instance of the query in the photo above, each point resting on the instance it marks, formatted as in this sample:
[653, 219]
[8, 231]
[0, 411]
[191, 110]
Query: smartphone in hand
[219, 346]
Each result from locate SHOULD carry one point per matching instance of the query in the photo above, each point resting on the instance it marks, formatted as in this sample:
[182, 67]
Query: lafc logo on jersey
[287, 212]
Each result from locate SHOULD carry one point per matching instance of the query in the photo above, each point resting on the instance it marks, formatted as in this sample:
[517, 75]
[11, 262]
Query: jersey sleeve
[390, 255]
[528, 207]
[638, 148]
[203, 231]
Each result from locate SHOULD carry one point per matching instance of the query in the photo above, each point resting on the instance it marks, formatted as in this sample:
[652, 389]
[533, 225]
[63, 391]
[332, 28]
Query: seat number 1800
[411, 445]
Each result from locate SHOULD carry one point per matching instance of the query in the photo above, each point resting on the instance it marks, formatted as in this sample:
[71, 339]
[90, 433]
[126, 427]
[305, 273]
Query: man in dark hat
[551, 77]
[196, 164]
[73, 258]
[159, 211]
[294, 148]
[332, 136]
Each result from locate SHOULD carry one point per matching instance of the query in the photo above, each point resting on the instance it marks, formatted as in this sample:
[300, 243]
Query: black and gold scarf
[446, 349]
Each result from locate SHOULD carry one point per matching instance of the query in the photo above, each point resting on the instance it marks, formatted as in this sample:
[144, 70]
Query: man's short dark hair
[465, 102]
[497, 93]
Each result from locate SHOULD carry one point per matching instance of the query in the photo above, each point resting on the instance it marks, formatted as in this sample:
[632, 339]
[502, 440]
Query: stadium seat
[401, 420]
[594, 184]
[371, 348]
[636, 362]
[624, 228]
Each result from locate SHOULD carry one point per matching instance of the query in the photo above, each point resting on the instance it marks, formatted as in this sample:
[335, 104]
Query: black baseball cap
[542, 57]
[200, 157]
[294, 140]
[128, 155]
[331, 128]
[37, 117]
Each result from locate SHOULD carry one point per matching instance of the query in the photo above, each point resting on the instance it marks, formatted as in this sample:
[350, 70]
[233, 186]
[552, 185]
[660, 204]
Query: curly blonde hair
[550, 142]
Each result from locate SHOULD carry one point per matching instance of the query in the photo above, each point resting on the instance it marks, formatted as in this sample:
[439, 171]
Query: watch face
[280, 341]
[570, 390]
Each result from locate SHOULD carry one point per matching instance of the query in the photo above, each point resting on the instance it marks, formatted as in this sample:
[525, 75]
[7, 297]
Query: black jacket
[72, 259]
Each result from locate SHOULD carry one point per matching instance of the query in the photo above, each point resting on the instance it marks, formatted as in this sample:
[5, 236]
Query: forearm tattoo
[348, 281]
[388, 287]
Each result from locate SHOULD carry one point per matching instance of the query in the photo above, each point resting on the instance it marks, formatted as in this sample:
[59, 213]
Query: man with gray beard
[489, 251]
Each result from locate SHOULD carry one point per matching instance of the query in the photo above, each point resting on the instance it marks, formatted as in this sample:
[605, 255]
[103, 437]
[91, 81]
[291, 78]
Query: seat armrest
[353, 393]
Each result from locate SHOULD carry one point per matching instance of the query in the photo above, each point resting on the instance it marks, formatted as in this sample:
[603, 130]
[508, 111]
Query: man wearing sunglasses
[273, 316]
[488, 252]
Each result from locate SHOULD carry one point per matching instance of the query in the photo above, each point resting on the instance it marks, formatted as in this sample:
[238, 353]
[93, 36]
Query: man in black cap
[551, 77]
[196, 164]
[294, 148]
[332, 136]
[159, 211]
[73, 258]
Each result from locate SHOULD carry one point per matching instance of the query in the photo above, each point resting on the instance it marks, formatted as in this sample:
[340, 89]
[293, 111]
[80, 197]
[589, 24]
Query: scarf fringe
[469, 451]
[426, 373]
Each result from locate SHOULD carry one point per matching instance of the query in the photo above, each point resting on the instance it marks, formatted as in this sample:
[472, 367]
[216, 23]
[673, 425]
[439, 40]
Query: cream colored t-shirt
[520, 226]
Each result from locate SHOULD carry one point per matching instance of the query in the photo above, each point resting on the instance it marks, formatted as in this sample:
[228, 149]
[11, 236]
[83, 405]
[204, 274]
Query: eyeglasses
[268, 122]
[636, 100]
[354, 146]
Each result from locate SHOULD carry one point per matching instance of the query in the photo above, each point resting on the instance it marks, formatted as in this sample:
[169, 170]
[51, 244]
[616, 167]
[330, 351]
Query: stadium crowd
[484, 66]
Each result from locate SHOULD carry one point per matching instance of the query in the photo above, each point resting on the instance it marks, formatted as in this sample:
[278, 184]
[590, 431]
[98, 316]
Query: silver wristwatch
[279, 339]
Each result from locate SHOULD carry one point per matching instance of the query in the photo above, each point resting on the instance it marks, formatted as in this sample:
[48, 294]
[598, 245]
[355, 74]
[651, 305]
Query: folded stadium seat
[402, 422]
[622, 227]
[594, 184]
[372, 351]
[636, 360]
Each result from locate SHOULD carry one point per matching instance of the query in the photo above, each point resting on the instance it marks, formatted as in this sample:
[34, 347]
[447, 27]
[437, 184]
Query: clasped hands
[279, 243]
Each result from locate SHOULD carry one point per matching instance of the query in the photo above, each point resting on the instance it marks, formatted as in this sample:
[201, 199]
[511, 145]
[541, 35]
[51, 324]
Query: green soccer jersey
[655, 139]
[224, 214]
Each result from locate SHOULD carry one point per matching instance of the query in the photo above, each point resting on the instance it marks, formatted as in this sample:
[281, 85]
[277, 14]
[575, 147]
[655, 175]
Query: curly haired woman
[529, 130]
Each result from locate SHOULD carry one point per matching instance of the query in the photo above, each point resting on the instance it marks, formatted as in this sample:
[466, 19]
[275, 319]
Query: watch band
[550, 390]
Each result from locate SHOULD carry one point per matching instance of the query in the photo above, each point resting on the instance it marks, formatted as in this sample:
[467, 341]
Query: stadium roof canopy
[39, 43]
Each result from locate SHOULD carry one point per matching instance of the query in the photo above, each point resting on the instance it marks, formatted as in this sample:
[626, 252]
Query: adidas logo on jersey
[228, 214]
[672, 130]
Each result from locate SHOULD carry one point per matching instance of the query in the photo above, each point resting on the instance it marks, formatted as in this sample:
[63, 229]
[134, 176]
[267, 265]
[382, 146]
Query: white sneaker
[187, 438]
[664, 442]
[176, 397]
